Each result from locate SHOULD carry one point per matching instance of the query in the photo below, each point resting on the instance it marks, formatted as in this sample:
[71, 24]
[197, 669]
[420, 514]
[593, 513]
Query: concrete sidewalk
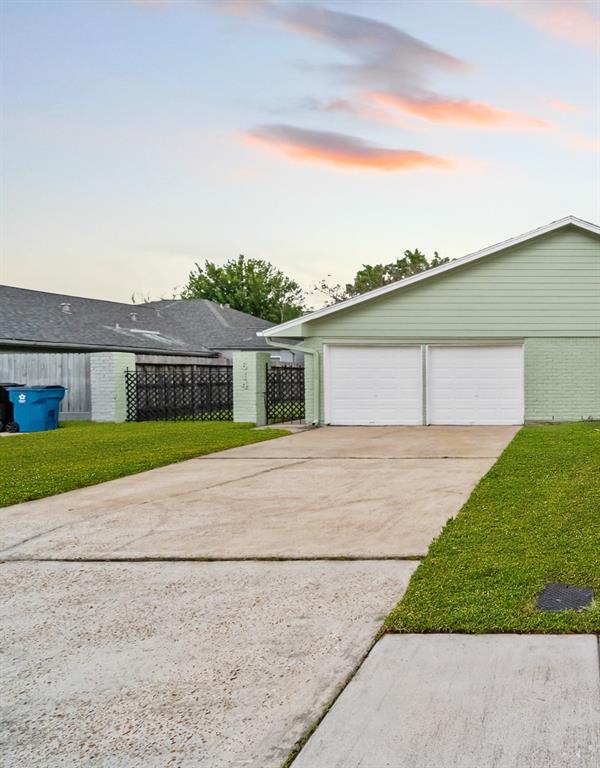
[459, 701]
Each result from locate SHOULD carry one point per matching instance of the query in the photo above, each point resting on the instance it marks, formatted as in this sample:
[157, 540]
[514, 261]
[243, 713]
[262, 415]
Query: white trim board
[553, 226]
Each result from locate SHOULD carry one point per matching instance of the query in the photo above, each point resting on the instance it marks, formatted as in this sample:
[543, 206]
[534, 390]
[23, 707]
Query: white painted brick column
[107, 384]
[250, 386]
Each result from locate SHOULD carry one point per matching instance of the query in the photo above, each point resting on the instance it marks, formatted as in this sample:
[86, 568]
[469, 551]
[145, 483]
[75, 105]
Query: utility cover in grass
[564, 597]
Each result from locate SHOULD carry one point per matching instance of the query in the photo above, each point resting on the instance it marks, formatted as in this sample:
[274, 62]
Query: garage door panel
[475, 385]
[370, 385]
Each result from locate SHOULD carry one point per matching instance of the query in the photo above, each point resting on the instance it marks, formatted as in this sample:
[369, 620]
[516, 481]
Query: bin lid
[10, 384]
[34, 389]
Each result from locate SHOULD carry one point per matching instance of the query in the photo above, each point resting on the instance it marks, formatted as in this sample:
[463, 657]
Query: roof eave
[105, 348]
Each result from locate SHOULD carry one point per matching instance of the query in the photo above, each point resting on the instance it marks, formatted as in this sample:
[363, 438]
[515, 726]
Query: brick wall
[562, 379]
[107, 383]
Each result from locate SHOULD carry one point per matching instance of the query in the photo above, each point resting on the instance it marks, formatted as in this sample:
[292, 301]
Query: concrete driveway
[339, 491]
[173, 665]
[213, 664]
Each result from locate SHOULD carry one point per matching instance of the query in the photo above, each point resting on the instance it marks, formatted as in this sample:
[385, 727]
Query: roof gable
[568, 221]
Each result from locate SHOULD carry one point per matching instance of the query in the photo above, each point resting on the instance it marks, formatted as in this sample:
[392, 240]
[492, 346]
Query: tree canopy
[260, 289]
[249, 285]
[378, 275]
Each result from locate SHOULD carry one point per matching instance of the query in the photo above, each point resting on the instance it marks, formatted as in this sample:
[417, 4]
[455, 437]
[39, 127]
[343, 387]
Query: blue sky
[139, 137]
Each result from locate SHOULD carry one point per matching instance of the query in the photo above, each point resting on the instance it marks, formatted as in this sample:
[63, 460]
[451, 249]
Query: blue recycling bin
[35, 409]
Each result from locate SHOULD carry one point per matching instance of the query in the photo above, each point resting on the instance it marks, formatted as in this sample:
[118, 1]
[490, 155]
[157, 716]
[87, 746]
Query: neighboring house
[46, 338]
[36, 320]
[508, 334]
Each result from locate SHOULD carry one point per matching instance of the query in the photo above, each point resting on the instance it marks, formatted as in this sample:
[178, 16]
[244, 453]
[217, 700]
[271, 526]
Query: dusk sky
[138, 137]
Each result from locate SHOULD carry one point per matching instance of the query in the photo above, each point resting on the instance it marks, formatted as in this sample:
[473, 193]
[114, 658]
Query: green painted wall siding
[547, 287]
[562, 379]
[309, 367]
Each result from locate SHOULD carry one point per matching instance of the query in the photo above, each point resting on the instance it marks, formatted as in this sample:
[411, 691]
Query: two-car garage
[424, 384]
[506, 335]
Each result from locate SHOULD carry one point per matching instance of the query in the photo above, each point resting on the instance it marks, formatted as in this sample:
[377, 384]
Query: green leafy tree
[378, 275]
[249, 285]
[413, 262]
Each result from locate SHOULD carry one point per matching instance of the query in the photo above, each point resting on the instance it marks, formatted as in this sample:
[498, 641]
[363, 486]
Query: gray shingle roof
[219, 327]
[180, 327]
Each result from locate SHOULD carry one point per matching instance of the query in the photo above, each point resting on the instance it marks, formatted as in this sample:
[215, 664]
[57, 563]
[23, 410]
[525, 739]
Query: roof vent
[133, 316]
[117, 327]
[65, 307]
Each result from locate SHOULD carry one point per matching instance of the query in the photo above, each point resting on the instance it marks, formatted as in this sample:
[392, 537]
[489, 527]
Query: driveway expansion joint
[301, 742]
[209, 559]
[343, 458]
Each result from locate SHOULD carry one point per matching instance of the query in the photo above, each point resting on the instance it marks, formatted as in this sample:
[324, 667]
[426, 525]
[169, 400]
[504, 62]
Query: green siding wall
[309, 367]
[562, 379]
[549, 286]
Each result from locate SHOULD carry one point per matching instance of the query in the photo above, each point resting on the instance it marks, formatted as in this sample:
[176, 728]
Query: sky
[140, 136]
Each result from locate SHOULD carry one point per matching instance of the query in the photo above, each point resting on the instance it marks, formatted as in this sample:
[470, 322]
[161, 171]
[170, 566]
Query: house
[47, 338]
[505, 335]
[193, 328]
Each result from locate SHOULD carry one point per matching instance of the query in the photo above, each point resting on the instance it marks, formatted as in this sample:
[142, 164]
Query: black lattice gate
[285, 393]
[204, 393]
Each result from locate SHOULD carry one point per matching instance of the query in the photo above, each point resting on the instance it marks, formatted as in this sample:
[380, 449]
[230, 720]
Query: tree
[378, 275]
[333, 293]
[249, 285]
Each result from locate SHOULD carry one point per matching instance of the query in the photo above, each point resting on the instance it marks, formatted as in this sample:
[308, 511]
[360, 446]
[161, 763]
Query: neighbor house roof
[220, 326]
[179, 327]
[567, 221]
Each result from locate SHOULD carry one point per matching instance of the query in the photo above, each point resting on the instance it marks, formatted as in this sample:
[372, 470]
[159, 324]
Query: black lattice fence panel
[285, 393]
[203, 393]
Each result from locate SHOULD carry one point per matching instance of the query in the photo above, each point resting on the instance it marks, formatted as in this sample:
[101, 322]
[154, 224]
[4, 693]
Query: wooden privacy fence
[69, 369]
[202, 392]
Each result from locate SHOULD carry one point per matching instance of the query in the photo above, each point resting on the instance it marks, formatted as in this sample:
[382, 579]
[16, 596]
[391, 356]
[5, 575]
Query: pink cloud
[230, 7]
[151, 3]
[363, 107]
[395, 68]
[340, 150]
[579, 141]
[576, 21]
[378, 51]
[564, 106]
[243, 7]
[438, 109]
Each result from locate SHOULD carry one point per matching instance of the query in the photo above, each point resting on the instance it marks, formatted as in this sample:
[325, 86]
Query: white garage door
[373, 385]
[475, 385]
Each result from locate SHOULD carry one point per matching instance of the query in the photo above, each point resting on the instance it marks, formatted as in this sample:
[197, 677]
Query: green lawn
[82, 453]
[533, 519]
